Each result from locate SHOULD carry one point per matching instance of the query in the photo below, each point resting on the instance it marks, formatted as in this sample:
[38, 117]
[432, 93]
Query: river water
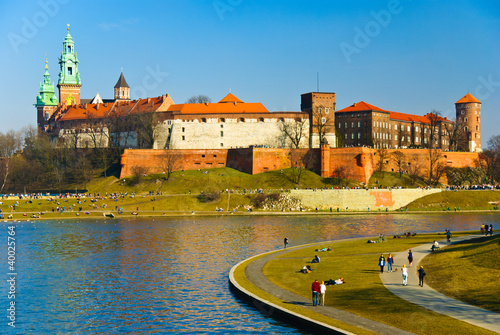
[168, 275]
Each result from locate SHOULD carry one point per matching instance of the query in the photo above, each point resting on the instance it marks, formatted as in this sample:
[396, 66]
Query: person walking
[410, 258]
[390, 261]
[322, 293]
[381, 263]
[285, 242]
[448, 235]
[404, 272]
[421, 275]
[490, 230]
[316, 289]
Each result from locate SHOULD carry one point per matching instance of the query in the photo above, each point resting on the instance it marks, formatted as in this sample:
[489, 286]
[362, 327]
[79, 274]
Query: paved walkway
[423, 296]
[254, 273]
[431, 299]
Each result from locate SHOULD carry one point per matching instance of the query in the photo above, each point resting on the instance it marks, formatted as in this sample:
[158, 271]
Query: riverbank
[363, 294]
[153, 205]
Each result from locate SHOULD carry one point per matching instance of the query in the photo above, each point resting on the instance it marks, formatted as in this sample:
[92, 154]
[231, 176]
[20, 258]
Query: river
[167, 275]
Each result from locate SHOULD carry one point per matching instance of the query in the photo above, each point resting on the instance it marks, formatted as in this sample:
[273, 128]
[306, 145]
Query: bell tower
[122, 90]
[46, 101]
[69, 78]
[469, 115]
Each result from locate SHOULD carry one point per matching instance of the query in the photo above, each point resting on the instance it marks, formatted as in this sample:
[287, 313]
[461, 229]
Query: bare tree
[146, 125]
[198, 99]
[415, 169]
[322, 122]
[436, 166]
[299, 163]
[10, 143]
[293, 131]
[171, 161]
[457, 137]
[383, 156]
[400, 159]
[433, 128]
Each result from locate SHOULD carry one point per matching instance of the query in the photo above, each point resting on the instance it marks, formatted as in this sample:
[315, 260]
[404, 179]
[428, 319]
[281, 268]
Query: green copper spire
[68, 62]
[46, 96]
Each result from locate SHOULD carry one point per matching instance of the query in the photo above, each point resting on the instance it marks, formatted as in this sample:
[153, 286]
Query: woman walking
[410, 258]
[322, 293]
[390, 261]
[404, 271]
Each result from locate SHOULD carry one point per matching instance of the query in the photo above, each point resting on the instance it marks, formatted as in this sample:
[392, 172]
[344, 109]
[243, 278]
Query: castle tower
[122, 90]
[468, 111]
[46, 101]
[69, 78]
[321, 109]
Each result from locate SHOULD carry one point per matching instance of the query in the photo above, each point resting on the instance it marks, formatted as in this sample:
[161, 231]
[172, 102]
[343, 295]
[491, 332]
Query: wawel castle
[159, 123]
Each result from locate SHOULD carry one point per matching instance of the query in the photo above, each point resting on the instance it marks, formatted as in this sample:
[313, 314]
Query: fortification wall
[353, 163]
[361, 200]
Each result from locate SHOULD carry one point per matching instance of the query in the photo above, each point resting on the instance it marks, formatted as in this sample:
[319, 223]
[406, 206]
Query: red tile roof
[467, 98]
[219, 108]
[364, 107]
[230, 98]
[117, 108]
[361, 107]
[228, 105]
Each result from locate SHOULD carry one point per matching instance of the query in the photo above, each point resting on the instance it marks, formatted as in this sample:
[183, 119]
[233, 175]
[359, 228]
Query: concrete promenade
[423, 296]
[431, 299]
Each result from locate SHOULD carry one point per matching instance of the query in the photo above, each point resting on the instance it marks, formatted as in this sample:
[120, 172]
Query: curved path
[431, 299]
[254, 273]
[423, 296]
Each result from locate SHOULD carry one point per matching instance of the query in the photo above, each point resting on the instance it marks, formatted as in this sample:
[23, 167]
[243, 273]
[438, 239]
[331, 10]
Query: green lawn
[468, 271]
[363, 293]
[466, 200]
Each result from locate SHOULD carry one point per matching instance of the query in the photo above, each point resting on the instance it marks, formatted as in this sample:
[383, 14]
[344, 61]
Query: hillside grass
[463, 200]
[382, 179]
[467, 271]
[363, 293]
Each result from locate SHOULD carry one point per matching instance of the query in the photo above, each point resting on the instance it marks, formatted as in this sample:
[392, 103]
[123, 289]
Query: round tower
[468, 111]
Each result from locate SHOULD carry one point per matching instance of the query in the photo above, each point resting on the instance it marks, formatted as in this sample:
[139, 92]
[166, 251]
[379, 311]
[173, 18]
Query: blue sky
[406, 56]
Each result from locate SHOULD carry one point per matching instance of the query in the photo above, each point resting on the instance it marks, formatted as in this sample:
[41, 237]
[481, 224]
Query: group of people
[485, 229]
[318, 293]
[404, 270]
[382, 262]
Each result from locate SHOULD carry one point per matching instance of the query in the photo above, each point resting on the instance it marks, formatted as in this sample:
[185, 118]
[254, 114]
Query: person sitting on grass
[315, 259]
[306, 269]
[435, 246]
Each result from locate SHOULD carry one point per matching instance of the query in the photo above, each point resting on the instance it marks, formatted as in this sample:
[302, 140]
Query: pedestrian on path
[390, 261]
[421, 275]
[285, 241]
[404, 271]
[322, 293]
[316, 288]
[490, 230]
[448, 235]
[410, 258]
[381, 263]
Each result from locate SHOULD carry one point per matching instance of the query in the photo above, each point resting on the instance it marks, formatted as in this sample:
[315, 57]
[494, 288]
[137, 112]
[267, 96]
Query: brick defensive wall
[357, 163]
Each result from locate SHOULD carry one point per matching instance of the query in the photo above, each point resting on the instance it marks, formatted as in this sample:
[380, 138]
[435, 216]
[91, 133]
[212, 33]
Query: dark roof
[121, 82]
[88, 101]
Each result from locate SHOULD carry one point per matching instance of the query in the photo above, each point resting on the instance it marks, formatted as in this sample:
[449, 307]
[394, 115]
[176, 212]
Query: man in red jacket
[316, 288]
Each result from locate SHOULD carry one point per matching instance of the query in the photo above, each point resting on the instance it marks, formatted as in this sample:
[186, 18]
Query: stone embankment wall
[352, 163]
[360, 199]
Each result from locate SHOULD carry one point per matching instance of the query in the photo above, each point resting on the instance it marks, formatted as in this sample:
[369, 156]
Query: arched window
[222, 119]
[242, 119]
[261, 119]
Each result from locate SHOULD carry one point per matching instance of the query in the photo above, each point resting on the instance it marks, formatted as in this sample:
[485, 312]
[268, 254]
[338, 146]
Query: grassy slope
[470, 200]
[469, 271]
[363, 293]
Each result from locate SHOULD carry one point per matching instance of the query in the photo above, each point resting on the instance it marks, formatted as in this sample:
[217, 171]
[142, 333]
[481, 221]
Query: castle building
[468, 111]
[362, 124]
[159, 123]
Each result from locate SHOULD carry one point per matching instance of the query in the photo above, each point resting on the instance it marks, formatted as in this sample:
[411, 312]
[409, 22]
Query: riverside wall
[360, 199]
[355, 163]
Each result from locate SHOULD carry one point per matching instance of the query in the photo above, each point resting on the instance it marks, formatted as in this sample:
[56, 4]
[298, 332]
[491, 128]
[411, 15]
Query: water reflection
[170, 275]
